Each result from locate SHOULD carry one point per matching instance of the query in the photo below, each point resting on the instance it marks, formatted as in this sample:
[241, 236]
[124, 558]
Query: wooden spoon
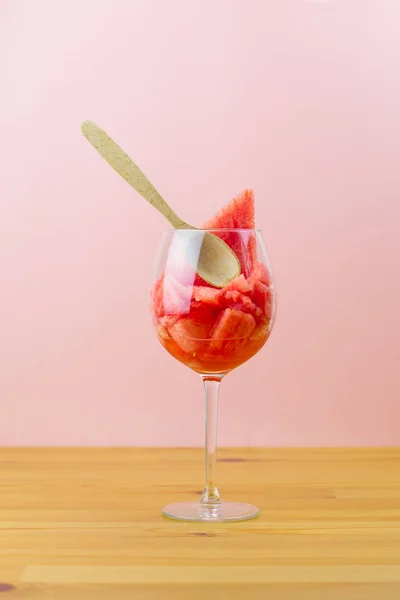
[212, 259]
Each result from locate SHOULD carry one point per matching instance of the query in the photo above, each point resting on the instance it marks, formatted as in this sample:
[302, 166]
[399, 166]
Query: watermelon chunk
[232, 325]
[208, 295]
[231, 332]
[262, 297]
[238, 301]
[189, 333]
[204, 313]
[239, 284]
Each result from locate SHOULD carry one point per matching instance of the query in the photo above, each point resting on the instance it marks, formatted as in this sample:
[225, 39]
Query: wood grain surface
[86, 523]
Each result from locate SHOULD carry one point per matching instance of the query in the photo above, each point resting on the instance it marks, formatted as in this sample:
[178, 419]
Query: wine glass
[212, 331]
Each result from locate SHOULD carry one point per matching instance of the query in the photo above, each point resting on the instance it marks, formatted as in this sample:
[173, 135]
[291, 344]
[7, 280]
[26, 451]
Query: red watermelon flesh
[262, 297]
[189, 334]
[237, 214]
[252, 251]
[260, 272]
[239, 284]
[205, 314]
[208, 295]
[231, 325]
[238, 301]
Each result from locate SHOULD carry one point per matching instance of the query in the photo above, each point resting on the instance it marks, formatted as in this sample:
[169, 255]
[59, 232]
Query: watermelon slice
[237, 214]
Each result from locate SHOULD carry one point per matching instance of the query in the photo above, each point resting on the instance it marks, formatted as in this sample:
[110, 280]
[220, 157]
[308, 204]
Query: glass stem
[211, 387]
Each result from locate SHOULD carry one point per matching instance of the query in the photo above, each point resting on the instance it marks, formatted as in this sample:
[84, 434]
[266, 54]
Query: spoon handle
[125, 167]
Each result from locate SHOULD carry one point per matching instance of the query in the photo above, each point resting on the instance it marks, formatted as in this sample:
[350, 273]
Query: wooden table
[86, 524]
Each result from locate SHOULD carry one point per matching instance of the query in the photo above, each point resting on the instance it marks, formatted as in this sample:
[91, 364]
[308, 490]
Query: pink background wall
[297, 99]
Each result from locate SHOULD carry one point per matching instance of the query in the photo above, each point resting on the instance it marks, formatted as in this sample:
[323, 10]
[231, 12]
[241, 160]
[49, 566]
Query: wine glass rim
[238, 229]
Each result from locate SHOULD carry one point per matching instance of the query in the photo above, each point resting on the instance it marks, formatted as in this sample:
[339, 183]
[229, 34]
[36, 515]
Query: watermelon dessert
[209, 329]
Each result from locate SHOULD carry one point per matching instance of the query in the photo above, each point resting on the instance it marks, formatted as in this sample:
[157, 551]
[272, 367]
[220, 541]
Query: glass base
[214, 513]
